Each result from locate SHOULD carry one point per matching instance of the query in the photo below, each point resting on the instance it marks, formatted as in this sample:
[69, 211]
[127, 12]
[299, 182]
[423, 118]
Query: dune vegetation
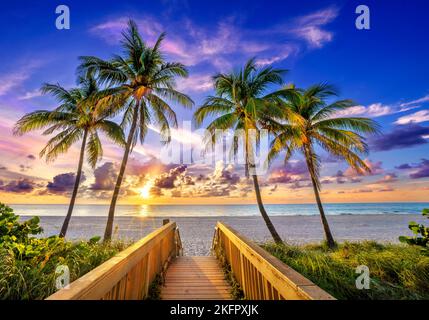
[396, 271]
[28, 262]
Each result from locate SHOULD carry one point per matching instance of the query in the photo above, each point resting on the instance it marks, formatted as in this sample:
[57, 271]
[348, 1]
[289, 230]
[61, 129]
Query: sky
[384, 69]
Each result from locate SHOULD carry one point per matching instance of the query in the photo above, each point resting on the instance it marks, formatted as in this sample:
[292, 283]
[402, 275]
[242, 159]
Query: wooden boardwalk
[129, 274]
[195, 278]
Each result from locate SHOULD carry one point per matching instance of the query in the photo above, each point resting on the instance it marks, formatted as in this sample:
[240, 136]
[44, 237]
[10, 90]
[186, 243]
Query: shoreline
[197, 232]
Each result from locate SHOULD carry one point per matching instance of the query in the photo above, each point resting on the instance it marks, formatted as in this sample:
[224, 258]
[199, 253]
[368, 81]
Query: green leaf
[94, 240]
[404, 239]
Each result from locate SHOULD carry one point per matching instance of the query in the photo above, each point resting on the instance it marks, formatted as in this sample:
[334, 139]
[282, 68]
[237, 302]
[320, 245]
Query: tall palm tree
[308, 120]
[239, 103]
[141, 81]
[80, 116]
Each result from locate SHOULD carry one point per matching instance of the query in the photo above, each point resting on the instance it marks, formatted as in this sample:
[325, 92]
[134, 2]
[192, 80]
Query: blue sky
[384, 69]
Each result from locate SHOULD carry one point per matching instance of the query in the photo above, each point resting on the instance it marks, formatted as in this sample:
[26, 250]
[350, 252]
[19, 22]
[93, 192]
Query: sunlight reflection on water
[144, 210]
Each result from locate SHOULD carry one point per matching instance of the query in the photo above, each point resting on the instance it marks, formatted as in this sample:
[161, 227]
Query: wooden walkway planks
[195, 278]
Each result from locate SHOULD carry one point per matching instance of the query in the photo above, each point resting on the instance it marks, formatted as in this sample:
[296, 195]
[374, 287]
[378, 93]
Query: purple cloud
[401, 136]
[404, 166]
[419, 170]
[389, 178]
[63, 183]
[290, 172]
[105, 177]
[346, 177]
[297, 185]
[222, 181]
[19, 186]
[423, 170]
[167, 180]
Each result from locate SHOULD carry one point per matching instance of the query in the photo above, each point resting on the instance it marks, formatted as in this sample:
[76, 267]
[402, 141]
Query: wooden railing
[261, 275]
[128, 275]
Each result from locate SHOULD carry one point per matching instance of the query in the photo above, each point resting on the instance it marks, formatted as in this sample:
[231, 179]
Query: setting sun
[145, 190]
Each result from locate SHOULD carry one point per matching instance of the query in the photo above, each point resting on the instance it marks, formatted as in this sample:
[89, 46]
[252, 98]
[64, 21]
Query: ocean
[296, 223]
[221, 210]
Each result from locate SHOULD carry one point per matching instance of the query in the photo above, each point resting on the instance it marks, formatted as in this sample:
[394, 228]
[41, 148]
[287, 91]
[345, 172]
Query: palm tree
[80, 116]
[239, 103]
[307, 119]
[141, 81]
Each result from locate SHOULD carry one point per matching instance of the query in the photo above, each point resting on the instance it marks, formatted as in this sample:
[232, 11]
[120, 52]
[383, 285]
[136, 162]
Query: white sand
[197, 233]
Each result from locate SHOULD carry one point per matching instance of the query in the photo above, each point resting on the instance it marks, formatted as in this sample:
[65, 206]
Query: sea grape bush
[12, 230]
[421, 234]
[28, 261]
[19, 237]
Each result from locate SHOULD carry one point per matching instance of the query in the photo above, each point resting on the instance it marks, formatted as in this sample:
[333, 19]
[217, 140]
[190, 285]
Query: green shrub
[11, 230]
[28, 264]
[421, 234]
[396, 271]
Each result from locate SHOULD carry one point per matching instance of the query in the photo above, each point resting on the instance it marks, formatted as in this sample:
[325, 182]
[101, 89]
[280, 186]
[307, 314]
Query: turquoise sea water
[222, 210]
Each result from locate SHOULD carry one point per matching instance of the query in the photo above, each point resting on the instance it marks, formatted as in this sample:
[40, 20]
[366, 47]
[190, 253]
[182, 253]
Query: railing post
[178, 243]
[215, 240]
[243, 279]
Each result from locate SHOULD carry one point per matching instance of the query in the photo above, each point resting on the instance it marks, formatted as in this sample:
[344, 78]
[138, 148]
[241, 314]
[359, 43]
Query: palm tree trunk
[109, 226]
[328, 234]
[75, 188]
[264, 214]
[250, 169]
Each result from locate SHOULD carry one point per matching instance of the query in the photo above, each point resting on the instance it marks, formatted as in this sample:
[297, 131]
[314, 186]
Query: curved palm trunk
[250, 169]
[328, 234]
[75, 188]
[109, 226]
[264, 214]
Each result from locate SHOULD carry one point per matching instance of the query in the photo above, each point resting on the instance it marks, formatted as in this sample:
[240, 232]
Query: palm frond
[212, 106]
[107, 72]
[175, 96]
[161, 107]
[60, 93]
[342, 152]
[331, 109]
[38, 120]
[113, 131]
[60, 143]
[346, 138]
[359, 125]
[170, 70]
[94, 149]
[321, 91]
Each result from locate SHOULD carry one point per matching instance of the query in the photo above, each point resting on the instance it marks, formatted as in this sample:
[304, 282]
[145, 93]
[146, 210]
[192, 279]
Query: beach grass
[34, 278]
[396, 271]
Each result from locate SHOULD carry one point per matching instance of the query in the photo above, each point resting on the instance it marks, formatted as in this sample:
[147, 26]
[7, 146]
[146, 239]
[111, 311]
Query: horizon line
[214, 204]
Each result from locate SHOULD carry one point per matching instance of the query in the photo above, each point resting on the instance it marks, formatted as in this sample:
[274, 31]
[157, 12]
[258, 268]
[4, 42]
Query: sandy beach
[197, 233]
